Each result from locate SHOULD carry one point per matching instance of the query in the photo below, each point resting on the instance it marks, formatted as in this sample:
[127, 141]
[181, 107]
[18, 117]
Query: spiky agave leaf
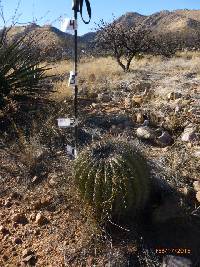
[18, 73]
[113, 177]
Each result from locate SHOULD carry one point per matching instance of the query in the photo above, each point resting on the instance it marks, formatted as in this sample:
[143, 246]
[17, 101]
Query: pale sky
[48, 11]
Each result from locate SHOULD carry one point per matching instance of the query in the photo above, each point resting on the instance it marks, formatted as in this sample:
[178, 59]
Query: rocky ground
[43, 221]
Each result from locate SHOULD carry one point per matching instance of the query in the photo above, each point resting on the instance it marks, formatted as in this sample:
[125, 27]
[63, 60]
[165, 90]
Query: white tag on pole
[71, 151]
[72, 79]
[67, 122]
[69, 25]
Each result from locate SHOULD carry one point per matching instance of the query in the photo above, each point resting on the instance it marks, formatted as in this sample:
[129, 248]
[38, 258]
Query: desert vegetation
[131, 197]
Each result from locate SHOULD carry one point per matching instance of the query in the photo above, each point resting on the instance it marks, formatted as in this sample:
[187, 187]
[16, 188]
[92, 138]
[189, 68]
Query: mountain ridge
[181, 22]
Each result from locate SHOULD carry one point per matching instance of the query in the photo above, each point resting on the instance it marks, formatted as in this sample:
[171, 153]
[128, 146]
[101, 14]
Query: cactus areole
[113, 178]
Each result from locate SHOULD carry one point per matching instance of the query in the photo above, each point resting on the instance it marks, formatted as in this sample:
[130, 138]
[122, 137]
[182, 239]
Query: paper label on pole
[69, 25]
[67, 122]
[72, 79]
[71, 151]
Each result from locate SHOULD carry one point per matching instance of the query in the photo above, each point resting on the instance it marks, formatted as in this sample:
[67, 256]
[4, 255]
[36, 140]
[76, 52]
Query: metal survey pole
[72, 25]
[76, 74]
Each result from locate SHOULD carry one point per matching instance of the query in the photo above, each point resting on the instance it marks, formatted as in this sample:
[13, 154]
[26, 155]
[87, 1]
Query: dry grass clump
[181, 164]
[94, 74]
[187, 55]
[62, 91]
[60, 68]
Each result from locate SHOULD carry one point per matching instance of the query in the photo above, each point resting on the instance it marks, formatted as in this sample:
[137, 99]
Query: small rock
[93, 105]
[175, 261]
[53, 182]
[139, 118]
[189, 134]
[198, 196]
[137, 100]
[114, 129]
[197, 152]
[18, 241]
[20, 218]
[41, 219]
[26, 252]
[184, 191]
[37, 205]
[16, 195]
[196, 186]
[5, 258]
[174, 95]
[145, 132]
[146, 123]
[35, 179]
[36, 232]
[165, 138]
[104, 97]
[4, 230]
[127, 102]
[46, 201]
[8, 203]
[31, 260]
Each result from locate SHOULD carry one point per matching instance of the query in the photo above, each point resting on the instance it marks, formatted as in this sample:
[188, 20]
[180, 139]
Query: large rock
[176, 261]
[145, 132]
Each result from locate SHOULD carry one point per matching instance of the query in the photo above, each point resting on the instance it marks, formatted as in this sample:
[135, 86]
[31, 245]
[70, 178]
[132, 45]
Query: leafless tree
[123, 42]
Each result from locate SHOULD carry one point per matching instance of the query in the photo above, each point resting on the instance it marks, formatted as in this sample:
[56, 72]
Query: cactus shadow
[165, 227]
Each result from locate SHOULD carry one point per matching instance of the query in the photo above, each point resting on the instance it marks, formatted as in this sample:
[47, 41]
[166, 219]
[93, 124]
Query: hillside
[52, 43]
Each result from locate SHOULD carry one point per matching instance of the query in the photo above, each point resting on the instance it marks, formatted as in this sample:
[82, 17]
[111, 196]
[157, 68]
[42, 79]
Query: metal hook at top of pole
[76, 5]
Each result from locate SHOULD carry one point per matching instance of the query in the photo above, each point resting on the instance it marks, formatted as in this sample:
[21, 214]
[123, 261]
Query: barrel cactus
[113, 178]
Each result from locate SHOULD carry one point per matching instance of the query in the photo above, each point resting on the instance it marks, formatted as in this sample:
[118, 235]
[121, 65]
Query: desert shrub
[113, 178]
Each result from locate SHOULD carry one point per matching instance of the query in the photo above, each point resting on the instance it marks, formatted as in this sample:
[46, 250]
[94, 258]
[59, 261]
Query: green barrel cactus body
[113, 178]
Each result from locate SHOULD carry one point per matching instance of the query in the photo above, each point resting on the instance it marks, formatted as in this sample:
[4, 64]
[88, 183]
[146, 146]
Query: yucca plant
[113, 178]
[19, 73]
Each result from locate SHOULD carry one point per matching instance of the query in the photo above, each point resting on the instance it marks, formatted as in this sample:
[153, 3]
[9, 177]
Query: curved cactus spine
[113, 177]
